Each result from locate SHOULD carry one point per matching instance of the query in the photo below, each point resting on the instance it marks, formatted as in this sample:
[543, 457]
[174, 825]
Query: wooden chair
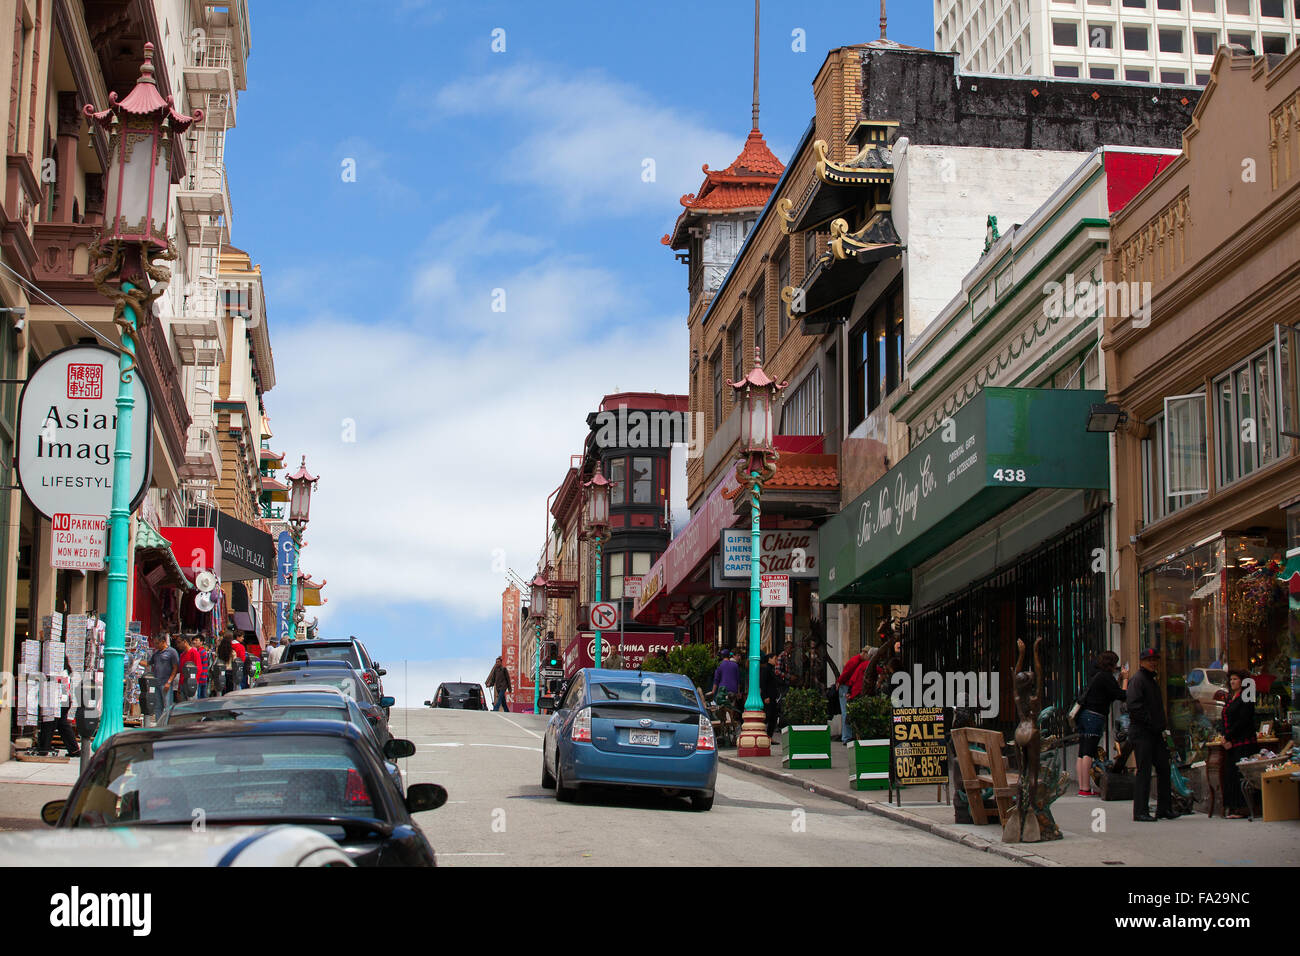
[982, 764]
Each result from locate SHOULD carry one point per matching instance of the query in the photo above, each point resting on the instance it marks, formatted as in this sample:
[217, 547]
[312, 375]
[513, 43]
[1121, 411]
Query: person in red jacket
[850, 686]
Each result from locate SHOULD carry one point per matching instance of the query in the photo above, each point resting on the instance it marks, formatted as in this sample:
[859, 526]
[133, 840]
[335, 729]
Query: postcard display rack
[43, 685]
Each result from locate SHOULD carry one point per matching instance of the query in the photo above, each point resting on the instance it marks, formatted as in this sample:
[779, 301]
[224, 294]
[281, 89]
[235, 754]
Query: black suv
[459, 697]
[347, 649]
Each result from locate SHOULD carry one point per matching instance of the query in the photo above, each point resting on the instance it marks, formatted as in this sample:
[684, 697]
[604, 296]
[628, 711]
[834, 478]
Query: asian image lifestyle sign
[67, 433]
[794, 553]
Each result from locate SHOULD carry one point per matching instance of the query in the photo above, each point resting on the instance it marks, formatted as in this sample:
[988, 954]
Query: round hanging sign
[67, 429]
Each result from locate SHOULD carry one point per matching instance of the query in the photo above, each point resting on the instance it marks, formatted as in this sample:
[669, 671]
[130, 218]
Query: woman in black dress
[1238, 743]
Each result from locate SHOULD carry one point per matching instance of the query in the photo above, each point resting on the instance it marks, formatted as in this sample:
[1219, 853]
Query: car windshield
[1219, 677]
[646, 691]
[257, 713]
[326, 652]
[343, 682]
[224, 779]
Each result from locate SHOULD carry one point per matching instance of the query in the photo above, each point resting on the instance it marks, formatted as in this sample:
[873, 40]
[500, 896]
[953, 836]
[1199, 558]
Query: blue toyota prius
[631, 729]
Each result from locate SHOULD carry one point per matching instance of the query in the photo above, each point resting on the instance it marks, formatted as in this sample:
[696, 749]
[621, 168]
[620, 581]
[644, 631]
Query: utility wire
[35, 289]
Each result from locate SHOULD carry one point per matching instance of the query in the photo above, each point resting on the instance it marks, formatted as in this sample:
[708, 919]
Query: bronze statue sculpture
[1031, 820]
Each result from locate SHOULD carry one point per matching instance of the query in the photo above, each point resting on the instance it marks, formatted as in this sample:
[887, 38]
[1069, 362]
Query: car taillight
[355, 791]
[1220, 695]
[582, 725]
[706, 740]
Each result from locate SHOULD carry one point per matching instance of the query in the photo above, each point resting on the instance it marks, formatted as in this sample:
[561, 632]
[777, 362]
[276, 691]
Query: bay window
[642, 481]
[1246, 419]
[617, 468]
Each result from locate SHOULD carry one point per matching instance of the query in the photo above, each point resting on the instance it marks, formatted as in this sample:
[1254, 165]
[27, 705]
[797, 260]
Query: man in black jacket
[1146, 712]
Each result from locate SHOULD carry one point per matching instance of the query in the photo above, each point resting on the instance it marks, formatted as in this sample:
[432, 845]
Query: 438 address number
[1010, 475]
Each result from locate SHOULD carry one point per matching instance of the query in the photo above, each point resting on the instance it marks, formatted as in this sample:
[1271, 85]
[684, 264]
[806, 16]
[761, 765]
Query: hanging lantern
[301, 483]
[537, 603]
[143, 128]
[597, 514]
[757, 394]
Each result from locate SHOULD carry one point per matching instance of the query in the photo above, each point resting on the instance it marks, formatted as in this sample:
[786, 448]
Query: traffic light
[550, 654]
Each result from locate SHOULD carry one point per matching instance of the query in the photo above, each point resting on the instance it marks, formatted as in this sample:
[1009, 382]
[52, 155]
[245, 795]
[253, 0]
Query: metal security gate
[1052, 592]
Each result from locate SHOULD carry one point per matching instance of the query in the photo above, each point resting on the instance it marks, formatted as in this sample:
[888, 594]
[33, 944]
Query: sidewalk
[1194, 840]
[56, 774]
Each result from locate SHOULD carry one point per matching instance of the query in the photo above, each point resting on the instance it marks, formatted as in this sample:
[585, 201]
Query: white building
[1138, 41]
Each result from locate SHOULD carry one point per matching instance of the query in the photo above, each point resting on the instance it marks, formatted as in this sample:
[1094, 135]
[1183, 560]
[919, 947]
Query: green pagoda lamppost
[598, 529]
[142, 131]
[301, 484]
[537, 611]
[757, 394]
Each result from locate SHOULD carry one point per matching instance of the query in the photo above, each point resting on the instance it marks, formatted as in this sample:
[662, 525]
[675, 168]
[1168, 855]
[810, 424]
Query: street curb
[897, 814]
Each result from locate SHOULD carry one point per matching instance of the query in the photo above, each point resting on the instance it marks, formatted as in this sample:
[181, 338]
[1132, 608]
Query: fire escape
[205, 212]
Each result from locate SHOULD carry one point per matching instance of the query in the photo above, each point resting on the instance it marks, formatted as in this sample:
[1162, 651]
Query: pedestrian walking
[165, 665]
[205, 663]
[769, 689]
[726, 675]
[849, 686]
[1147, 731]
[499, 681]
[1238, 743]
[1100, 691]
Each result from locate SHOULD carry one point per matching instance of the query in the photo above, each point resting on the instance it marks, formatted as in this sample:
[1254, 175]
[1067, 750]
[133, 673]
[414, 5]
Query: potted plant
[806, 738]
[869, 718]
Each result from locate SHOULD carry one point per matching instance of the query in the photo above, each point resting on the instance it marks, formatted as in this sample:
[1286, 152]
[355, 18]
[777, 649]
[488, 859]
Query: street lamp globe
[301, 484]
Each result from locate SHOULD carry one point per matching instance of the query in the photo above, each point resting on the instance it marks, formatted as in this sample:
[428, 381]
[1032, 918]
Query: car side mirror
[428, 703]
[380, 671]
[424, 796]
[387, 701]
[51, 812]
[397, 747]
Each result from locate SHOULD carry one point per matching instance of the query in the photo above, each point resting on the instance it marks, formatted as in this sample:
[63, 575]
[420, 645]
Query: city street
[499, 815]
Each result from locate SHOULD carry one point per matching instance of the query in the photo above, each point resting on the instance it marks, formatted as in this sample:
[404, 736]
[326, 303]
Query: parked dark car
[290, 702]
[316, 773]
[621, 728]
[339, 649]
[459, 697]
[335, 674]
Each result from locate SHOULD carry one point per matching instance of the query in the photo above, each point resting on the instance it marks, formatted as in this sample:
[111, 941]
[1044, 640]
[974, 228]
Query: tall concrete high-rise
[1137, 41]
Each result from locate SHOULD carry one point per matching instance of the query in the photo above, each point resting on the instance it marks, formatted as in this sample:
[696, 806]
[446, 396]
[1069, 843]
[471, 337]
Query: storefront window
[1217, 608]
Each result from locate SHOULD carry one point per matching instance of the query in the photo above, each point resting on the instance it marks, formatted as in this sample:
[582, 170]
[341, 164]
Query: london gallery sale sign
[67, 429]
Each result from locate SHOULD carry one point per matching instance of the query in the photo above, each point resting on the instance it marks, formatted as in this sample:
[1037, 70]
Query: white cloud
[586, 137]
[458, 443]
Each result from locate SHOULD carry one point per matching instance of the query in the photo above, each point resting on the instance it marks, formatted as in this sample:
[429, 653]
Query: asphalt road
[497, 813]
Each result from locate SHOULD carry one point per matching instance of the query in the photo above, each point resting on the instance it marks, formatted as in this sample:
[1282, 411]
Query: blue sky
[438, 425]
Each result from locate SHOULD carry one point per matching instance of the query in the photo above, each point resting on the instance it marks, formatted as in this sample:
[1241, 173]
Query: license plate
[647, 737]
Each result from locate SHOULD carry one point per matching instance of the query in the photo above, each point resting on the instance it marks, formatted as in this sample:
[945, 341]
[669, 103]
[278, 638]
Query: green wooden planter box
[869, 764]
[806, 746]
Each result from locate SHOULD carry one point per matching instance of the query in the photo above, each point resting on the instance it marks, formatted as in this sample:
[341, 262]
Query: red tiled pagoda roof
[805, 472]
[745, 184]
